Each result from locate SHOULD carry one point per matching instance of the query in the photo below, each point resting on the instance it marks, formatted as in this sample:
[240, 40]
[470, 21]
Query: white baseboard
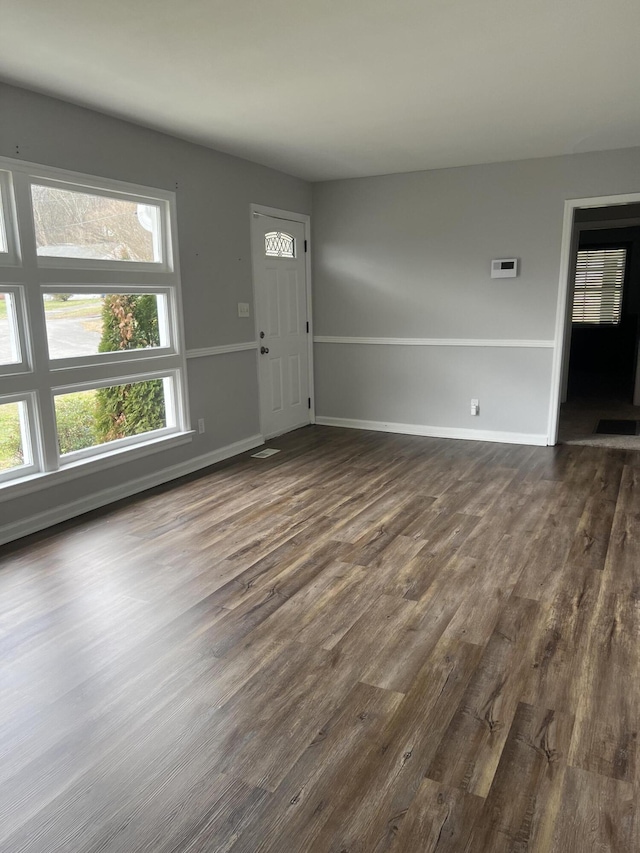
[437, 432]
[33, 523]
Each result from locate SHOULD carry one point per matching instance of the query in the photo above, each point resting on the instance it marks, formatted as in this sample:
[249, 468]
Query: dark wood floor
[365, 643]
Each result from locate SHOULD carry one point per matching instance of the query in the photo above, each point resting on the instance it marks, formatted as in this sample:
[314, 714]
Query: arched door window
[279, 244]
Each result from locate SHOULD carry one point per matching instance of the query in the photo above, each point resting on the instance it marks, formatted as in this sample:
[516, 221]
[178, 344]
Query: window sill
[92, 464]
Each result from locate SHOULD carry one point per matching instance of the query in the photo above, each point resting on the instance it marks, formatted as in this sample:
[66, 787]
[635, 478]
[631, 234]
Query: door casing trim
[305, 219]
[562, 310]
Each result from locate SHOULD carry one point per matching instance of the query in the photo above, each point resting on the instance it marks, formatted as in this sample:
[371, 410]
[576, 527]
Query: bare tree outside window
[76, 224]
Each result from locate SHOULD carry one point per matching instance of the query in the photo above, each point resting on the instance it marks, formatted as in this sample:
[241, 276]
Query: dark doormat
[618, 428]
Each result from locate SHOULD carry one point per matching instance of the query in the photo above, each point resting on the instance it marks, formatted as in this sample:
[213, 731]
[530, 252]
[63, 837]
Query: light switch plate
[243, 309]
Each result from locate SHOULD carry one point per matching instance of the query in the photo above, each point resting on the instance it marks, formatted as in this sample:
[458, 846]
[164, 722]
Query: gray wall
[408, 255]
[394, 256]
[214, 192]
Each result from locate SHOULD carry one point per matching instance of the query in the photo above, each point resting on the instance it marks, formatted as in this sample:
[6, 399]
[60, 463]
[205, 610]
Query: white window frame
[30, 443]
[37, 379]
[9, 225]
[168, 318]
[56, 262]
[170, 384]
[20, 328]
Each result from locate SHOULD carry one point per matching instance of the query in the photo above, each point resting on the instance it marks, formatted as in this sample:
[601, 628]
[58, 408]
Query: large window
[91, 357]
[597, 295]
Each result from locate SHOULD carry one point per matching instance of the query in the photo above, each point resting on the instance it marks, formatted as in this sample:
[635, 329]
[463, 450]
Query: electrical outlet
[201, 425]
[243, 309]
[475, 407]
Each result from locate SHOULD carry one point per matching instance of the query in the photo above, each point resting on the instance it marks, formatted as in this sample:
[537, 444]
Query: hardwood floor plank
[402, 653]
[525, 797]
[382, 618]
[591, 541]
[559, 642]
[439, 820]
[441, 530]
[468, 754]
[259, 743]
[623, 554]
[446, 535]
[325, 622]
[599, 815]
[608, 717]
[375, 800]
[158, 728]
[543, 570]
[373, 515]
[472, 497]
[306, 797]
[367, 642]
[487, 595]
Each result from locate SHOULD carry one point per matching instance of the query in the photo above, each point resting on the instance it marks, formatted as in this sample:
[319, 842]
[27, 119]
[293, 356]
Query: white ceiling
[340, 88]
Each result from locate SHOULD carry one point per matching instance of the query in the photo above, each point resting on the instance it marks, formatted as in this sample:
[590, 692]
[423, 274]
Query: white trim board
[437, 432]
[562, 312]
[34, 523]
[203, 352]
[435, 342]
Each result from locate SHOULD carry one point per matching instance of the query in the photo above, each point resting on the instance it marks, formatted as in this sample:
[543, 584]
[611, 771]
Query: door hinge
[305, 245]
[309, 401]
[307, 327]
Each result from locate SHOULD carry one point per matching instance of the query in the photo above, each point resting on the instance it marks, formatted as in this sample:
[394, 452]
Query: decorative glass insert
[597, 296]
[85, 324]
[74, 224]
[278, 244]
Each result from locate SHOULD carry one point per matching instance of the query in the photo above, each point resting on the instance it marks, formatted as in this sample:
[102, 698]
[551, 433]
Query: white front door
[279, 269]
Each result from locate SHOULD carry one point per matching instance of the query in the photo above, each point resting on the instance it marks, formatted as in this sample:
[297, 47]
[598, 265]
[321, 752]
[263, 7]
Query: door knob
[264, 350]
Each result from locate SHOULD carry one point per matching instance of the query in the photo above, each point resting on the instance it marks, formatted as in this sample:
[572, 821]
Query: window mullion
[84, 374]
[44, 426]
[9, 275]
[70, 276]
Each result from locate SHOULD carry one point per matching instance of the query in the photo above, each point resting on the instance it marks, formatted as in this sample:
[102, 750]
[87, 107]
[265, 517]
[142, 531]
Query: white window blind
[597, 296]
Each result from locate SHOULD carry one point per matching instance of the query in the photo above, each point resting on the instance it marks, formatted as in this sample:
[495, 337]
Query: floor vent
[263, 454]
[622, 427]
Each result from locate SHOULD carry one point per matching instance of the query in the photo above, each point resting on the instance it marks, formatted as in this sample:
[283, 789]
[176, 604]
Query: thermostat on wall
[504, 268]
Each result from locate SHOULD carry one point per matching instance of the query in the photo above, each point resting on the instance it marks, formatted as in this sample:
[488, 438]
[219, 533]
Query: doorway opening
[600, 387]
